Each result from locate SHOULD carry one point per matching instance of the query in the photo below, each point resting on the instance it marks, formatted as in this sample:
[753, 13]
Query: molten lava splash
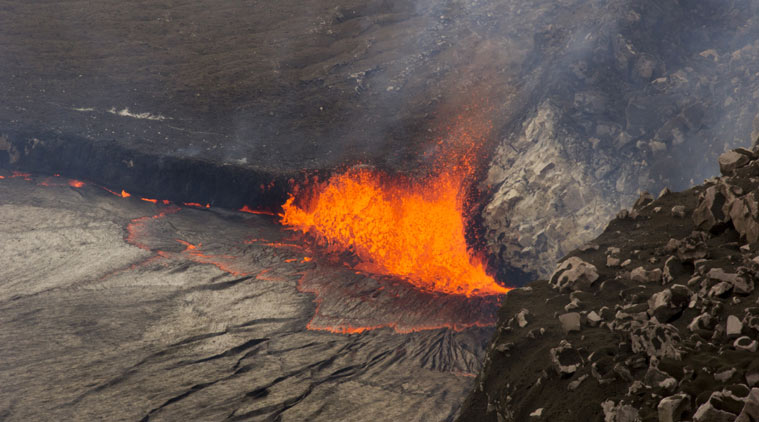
[416, 232]
[411, 229]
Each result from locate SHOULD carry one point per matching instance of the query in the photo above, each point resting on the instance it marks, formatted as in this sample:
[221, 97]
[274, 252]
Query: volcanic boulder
[668, 303]
[746, 343]
[732, 160]
[712, 212]
[574, 274]
[673, 269]
[673, 408]
[739, 283]
[744, 213]
[733, 326]
[566, 360]
[656, 340]
[570, 321]
[722, 406]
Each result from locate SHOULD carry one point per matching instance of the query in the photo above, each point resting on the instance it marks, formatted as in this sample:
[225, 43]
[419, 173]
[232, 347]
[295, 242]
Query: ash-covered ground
[654, 320]
[116, 308]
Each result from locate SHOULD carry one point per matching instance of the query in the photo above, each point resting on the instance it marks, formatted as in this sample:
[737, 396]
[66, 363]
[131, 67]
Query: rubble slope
[657, 319]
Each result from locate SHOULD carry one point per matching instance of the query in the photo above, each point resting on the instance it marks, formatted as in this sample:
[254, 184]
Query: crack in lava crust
[347, 301]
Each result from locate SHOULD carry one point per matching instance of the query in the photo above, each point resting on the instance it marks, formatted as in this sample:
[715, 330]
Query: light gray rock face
[678, 211]
[611, 141]
[546, 204]
[522, 320]
[593, 318]
[701, 322]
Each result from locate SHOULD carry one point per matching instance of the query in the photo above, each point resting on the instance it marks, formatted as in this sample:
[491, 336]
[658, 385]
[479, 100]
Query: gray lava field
[107, 315]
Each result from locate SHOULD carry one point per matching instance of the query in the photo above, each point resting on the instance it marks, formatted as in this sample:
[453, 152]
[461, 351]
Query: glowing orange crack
[249, 210]
[218, 261]
[197, 205]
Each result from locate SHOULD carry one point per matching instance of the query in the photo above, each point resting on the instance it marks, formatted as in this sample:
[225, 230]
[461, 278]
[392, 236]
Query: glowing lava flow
[249, 210]
[411, 229]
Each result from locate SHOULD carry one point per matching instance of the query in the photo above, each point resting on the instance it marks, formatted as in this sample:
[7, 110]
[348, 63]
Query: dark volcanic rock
[574, 274]
[713, 209]
[683, 351]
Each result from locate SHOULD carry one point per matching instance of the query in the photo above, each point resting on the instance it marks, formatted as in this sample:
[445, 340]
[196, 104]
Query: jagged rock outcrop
[620, 113]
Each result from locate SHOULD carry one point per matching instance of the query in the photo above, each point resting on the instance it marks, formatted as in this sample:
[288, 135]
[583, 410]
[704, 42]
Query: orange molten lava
[123, 194]
[197, 205]
[249, 210]
[411, 229]
[416, 232]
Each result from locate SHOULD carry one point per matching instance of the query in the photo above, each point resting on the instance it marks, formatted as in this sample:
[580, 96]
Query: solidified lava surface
[120, 307]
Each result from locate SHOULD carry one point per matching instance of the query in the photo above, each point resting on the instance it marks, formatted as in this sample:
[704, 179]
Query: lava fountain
[399, 226]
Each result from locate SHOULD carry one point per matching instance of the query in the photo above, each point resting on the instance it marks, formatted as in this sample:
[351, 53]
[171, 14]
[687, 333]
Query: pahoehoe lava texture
[118, 309]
